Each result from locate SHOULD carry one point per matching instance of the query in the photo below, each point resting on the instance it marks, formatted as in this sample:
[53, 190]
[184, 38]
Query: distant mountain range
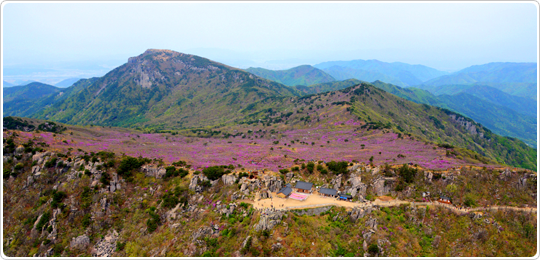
[518, 79]
[398, 73]
[66, 82]
[301, 75]
[7, 84]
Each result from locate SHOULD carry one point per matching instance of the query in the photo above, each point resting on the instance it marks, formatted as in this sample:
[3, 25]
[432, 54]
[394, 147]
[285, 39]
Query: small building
[328, 192]
[302, 186]
[284, 192]
[444, 199]
[345, 197]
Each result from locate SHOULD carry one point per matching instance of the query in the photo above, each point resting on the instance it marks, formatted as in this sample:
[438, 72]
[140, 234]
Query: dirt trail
[314, 201]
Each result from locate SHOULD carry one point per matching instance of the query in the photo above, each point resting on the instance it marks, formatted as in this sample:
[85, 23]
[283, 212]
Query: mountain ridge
[299, 75]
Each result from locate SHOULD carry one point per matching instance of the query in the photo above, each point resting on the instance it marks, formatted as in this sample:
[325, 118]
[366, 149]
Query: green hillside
[167, 89]
[380, 109]
[301, 75]
[328, 86]
[19, 100]
[502, 120]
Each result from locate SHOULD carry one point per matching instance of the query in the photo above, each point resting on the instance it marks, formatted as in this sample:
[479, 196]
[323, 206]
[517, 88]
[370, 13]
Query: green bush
[373, 249]
[51, 162]
[310, 167]
[58, 196]
[214, 172]
[338, 167]
[87, 220]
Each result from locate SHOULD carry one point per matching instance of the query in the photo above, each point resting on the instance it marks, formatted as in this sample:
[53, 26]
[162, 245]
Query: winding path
[315, 201]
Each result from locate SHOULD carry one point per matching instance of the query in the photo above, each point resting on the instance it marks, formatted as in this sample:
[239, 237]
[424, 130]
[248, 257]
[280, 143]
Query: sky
[50, 42]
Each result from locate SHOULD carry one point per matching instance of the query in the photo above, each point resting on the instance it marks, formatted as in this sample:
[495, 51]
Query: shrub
[310, 166]
[469, 201]
[51, 162]
[58, 196]
[338, 167]
[128, 164]
[87, 220]
[6, 173]
[154, 220]
[105, 179]
[407, 174]
[284, 171]
[214, 172]
[373, 249]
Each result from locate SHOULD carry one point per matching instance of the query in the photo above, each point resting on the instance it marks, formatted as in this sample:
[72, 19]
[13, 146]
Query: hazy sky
[61, 40]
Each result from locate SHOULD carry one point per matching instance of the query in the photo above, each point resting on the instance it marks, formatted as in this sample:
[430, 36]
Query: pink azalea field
[253, 152]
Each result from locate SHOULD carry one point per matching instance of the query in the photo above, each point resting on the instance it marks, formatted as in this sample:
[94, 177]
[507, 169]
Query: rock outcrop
[359, 212]
[105, 247]
[382, 186]
[269, 219]
[272, 183]
[80, 242]
[228, 179]
[150, 170]
[336, 182]
[194, 184]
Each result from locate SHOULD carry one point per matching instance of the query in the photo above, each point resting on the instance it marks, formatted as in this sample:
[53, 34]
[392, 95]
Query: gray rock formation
[360, 212]
[269, 219]
[336, 182]
[272, 183]
[150, 170]
[371, 223]
[80, 242]
[381, 186]
[194, 184]
[228, 179]
[105, 247]
[202, 232]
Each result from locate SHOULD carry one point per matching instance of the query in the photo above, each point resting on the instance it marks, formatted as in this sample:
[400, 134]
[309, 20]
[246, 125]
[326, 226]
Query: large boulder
[359, 212]
[269, 219]
[194, 183]
[150, 170]
[336, 182]
[106, 246]
[381, 186]
[272, 183]
[228, 179]
[80, 242]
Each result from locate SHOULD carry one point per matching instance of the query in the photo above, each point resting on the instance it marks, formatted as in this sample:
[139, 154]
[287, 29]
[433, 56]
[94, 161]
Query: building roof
[328, 191]
[288, 185]
[285, 191]
[303, 185]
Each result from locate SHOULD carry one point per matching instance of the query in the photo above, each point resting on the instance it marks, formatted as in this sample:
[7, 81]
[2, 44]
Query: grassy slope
[301, 75]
